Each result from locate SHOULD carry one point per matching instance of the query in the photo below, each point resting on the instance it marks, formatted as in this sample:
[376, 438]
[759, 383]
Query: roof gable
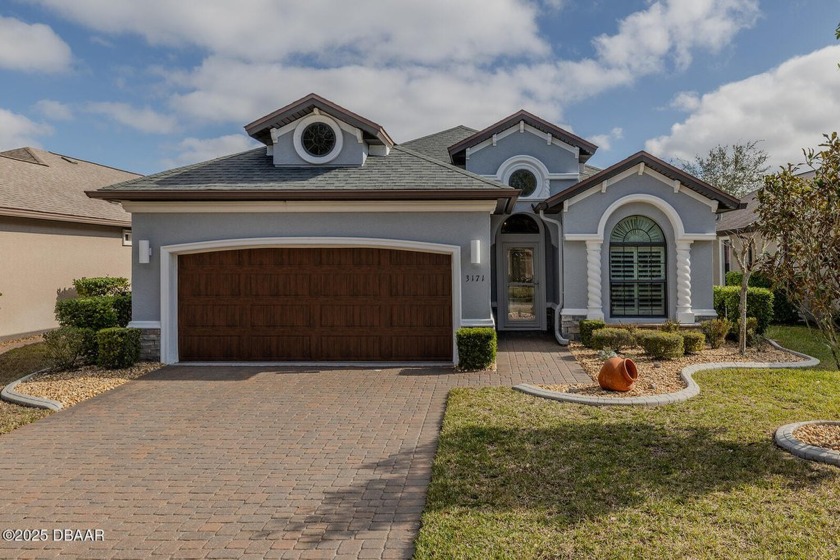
[260, 129]
[458, 151]
[642, 160]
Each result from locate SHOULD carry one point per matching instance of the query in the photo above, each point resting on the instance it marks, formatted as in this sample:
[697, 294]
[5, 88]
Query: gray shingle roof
[50, 186]
[740, 219]
[402, 169]
[436, 145]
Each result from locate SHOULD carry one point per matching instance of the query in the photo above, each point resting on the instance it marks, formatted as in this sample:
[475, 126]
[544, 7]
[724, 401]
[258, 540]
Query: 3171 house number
[475, 278]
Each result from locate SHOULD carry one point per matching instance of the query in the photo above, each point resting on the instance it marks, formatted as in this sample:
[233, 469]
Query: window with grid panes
[637, 269]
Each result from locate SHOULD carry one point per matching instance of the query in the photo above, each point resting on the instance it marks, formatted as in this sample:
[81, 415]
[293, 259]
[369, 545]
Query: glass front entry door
[522, 287]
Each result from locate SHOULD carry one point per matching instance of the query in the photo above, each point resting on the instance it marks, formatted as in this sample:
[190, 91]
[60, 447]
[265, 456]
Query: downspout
[558, 306]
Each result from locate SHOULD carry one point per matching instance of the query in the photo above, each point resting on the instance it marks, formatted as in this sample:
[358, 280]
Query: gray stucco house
[332, 243]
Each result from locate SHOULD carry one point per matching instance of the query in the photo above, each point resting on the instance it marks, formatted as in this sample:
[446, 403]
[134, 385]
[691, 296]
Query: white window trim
[312, 119]
[126, 237]
[169, 274]
[532, 164]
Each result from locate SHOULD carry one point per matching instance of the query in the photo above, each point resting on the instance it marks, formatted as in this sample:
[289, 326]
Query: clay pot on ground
[618, 374]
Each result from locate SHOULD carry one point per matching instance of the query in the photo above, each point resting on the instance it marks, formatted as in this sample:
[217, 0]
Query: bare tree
[750, 251]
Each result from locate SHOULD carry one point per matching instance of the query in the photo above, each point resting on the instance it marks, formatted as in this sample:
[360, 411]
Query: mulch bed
[658, 377]
[821, 435]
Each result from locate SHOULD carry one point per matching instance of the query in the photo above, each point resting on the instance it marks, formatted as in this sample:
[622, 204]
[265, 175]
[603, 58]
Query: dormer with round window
[314, 132]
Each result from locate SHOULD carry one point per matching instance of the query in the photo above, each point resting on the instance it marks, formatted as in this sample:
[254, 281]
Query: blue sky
[149, 85]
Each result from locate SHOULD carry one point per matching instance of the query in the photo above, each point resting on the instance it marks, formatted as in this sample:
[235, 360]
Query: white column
[594, 308]
[684, 311]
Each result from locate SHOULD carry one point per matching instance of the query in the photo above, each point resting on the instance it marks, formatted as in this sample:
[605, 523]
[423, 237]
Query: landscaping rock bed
[75, 386]
[657, 377]
[820, 435]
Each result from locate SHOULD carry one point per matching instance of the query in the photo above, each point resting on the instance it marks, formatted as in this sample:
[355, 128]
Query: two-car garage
[314, 304]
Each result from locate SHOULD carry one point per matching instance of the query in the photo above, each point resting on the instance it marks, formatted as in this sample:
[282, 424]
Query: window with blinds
[637, 269]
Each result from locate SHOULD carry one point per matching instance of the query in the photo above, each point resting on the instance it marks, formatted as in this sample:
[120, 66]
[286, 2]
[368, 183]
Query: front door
[522, 291]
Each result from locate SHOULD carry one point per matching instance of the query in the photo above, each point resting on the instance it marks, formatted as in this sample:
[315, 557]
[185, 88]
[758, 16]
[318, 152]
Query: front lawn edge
[9, 394]
[785, 439]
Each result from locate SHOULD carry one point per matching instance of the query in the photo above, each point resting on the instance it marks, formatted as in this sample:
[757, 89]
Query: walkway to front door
[232, 462]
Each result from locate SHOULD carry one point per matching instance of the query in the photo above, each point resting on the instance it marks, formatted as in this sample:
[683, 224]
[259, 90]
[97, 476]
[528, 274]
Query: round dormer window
[523, 180]
[318, 139]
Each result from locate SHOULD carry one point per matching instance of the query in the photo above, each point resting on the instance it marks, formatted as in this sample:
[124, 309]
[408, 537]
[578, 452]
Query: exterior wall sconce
[144, 251]
[475, 251]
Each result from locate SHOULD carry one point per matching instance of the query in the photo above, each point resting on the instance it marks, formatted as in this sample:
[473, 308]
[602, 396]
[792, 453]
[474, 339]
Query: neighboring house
[741, 220]
[51, 233]
[332, 243]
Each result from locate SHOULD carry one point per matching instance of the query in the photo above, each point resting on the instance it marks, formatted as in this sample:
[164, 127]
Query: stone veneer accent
[570, 326]
[150, 345]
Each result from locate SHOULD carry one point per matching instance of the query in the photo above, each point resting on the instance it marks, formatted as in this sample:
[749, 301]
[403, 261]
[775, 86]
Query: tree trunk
[742, 313]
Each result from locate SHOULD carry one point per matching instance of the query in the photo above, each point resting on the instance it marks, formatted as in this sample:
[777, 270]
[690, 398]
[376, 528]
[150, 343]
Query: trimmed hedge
[784, 312]
[693, 341]
[752, 325]
[122, 306]
[759, 304]
[101, 286]
[587, 327]
[68, 347]
[716, 331]
[663, 345]
[118, 347]
[612, 338]
[476, 347]
[87, 313]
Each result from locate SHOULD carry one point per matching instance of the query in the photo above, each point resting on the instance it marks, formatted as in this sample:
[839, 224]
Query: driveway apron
[244, 462]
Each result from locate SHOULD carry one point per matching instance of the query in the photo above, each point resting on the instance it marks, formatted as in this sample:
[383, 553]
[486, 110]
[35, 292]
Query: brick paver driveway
[236, 462]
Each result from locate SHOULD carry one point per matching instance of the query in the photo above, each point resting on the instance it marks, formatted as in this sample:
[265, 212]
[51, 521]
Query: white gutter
[559, 306]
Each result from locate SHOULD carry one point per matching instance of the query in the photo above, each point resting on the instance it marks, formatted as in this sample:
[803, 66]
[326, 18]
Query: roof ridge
[451, 167]
[437, 133]
[171, 172]
[92, 162]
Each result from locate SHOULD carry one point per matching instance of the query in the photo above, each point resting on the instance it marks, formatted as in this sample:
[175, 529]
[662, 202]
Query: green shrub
[670, 326]
[693, 341]
[759, 304]
[716, 331]
[612, 338]
[587, 326]
[476, 347]
[784, 312]
[118, 347]
[68, 347]
[757, 280]
[122, 306]
[87, 313]
[101, 286]
[663, 345]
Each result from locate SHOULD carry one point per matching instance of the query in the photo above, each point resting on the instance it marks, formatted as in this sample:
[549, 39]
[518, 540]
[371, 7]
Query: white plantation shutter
[637, 269]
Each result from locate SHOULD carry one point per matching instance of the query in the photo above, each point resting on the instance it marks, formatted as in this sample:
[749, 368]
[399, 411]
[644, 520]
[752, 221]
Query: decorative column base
[685, 317]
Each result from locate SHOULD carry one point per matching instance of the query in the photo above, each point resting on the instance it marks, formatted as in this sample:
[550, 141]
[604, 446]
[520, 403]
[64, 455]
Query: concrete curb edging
[9, 394]
[785, 439]
[691, 390]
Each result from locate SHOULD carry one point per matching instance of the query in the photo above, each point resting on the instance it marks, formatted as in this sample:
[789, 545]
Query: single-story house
[51, 233]
[332, 243]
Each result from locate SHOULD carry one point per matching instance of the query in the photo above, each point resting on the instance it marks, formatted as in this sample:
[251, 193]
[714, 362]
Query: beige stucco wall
[39, 260]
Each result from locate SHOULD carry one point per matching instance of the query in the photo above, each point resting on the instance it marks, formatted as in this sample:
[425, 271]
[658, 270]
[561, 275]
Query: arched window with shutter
[638, 285]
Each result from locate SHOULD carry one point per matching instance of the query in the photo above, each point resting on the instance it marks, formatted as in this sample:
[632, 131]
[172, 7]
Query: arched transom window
[637, 269]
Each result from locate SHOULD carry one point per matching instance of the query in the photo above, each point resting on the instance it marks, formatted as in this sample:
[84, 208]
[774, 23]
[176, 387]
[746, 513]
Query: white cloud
[193, 150]
[423, 31]
[788, 108]
[54, 110]
[17, 131]
[604, 141]
[143, 119]
[413, 66]
[31, 48]
[686, 101]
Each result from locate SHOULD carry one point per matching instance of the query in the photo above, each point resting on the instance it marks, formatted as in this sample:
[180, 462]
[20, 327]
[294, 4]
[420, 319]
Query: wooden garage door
[319, 304]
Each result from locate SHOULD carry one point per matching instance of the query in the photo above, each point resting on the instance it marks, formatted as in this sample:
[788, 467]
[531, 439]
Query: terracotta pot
[618, 374]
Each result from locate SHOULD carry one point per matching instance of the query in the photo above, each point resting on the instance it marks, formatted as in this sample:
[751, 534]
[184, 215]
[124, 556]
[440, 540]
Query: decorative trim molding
[530, 163]
[317, 117]
[570, 311]
[489, 322]
[169, 274]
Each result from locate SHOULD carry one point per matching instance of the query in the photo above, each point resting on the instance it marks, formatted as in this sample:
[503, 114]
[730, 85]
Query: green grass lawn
[521, 477]
[13, 365]
[805, 340]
